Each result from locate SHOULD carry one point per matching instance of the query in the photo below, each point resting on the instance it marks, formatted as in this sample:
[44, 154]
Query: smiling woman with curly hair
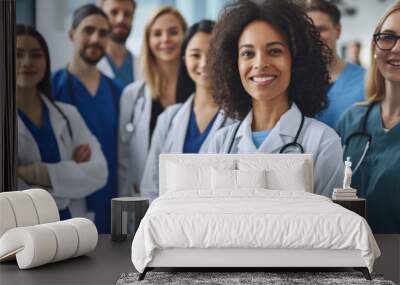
[309, 73]
[268, 68]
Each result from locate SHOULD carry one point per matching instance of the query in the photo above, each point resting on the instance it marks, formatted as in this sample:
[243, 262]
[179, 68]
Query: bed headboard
[286, 166]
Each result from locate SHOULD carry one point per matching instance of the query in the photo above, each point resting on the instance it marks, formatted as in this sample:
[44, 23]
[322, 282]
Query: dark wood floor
[106, 264]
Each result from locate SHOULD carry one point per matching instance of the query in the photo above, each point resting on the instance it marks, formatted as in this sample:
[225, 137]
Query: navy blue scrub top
[194, 139]
[123, 74]
[46, 142]
[100, 113]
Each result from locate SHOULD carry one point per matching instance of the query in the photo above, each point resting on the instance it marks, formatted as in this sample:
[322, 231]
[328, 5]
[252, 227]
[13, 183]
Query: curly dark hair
[310, 56]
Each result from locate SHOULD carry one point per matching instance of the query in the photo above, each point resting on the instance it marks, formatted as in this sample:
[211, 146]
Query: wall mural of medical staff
[96, 96]
[371, 131]
[268, 68]
[143, 101]
[189, 126]
[56, 150]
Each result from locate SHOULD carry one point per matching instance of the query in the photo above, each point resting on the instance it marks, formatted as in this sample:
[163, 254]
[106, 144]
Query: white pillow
[294, 179]
[282, 174]
[190, 176]
[223, 179]
[236, 179]
[183, 178]
[251, 178]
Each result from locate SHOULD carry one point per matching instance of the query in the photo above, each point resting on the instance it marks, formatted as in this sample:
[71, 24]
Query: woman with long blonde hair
[371, 131]
[143, 101]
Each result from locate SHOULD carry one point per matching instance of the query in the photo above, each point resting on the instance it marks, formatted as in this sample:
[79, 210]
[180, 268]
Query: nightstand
[122, 209]
[358, 205]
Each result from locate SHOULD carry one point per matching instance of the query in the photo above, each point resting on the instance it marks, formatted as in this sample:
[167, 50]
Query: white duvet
[251, 218]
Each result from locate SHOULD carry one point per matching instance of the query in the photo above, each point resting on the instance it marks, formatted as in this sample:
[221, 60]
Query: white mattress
[251, 219]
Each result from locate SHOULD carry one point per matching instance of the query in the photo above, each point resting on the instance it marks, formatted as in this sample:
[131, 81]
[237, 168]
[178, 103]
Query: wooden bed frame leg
[143, 274]
[364, 271]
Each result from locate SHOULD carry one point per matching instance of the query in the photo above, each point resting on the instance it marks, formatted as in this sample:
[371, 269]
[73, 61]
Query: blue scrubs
[100, 113]
[194, 139]
[344, 92]
[259, 137]
[123, 74]
[46, 142]
[378, 177]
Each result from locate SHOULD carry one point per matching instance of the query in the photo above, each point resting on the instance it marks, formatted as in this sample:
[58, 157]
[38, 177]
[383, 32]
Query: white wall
[53, 18]
[361, 27]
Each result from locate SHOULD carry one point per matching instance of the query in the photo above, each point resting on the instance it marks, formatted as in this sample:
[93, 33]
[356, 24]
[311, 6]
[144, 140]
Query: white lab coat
[71, 182]
[133, 146]
[316, 138]
[104, 66]
[169, 137]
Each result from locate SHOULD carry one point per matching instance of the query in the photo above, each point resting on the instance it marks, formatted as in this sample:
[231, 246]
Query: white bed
[201, 220]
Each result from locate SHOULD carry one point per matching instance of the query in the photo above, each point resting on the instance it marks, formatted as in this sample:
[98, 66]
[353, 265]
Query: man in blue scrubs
[119, 63]
[347, 79]
[95, 96]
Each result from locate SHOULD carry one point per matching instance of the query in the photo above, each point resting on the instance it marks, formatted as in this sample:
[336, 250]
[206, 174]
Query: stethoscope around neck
[130, 125]
[363, 133]
[293, 144]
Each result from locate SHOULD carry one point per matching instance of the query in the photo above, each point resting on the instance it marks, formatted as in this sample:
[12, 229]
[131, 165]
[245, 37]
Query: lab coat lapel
[244, 138]
[283, 132]
[28, 150]
[220, 121]
[273, 143]
[179, 125]
[142, 115]
[60, 129]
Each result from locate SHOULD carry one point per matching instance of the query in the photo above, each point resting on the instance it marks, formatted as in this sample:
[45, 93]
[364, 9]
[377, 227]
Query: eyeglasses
[385, 41]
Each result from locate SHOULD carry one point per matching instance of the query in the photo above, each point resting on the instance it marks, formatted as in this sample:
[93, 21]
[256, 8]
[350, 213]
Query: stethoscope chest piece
[129, 128]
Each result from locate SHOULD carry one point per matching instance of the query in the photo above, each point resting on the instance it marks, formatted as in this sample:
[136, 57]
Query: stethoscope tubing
[361, 133]
[294, 143]
[130, 125]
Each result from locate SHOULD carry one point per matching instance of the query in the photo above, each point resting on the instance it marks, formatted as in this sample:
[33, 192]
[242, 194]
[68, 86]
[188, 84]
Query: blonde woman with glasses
[371, 132]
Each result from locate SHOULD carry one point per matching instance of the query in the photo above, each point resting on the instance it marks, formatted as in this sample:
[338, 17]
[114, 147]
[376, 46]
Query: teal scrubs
[347, 90]
[378, 177]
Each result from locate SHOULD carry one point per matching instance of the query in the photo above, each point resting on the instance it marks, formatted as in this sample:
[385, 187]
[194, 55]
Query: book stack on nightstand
[344, 194]
[348, 199]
